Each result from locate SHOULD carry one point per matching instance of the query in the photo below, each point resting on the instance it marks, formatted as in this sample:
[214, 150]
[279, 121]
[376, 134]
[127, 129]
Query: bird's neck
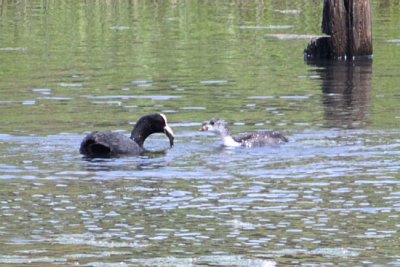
[227, 137]
[140, 132]
[224, 131]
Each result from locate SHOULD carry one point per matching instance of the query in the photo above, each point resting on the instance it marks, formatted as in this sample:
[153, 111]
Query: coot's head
[216, 125]
[149, 124]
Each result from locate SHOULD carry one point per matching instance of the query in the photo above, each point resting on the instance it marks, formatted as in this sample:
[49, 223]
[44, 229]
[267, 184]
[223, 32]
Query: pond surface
[331, 196]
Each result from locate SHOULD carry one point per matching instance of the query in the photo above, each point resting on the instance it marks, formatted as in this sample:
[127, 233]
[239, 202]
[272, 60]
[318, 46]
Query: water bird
[254, 139]
[110, 144]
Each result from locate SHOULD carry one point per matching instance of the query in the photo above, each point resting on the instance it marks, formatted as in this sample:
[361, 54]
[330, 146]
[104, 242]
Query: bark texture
[348, 24]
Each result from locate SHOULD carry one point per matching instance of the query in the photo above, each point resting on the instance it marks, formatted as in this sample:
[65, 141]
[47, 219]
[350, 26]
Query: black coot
[109, 144]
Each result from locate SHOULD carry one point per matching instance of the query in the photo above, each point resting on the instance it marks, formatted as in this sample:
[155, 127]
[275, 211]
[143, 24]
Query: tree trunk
[348, 24]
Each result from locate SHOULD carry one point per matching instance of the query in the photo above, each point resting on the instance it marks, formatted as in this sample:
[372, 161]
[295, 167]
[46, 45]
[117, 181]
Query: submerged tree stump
[349, 26]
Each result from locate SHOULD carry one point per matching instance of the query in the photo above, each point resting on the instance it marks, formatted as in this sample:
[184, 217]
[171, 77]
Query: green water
[80, 49]
[330, 196]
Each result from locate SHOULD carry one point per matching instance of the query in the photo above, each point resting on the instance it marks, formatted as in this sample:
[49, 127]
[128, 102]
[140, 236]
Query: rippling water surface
[327, 196]
[331, 196]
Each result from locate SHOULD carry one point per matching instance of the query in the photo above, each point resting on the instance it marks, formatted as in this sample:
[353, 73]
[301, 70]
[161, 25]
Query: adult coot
[109, 144]
[259, 138]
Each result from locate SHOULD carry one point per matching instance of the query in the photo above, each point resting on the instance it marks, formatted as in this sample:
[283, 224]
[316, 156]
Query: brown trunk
[360, 28]
[348, 24]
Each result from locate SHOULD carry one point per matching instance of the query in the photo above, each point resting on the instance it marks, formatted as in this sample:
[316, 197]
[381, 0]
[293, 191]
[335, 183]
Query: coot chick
[255, 139]
[110, 144]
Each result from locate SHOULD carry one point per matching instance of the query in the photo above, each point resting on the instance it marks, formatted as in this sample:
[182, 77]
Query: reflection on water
[346, 88]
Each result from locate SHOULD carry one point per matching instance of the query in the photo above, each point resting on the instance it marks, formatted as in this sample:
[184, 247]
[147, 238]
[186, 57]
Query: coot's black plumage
[104, 144]
[259, 138]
